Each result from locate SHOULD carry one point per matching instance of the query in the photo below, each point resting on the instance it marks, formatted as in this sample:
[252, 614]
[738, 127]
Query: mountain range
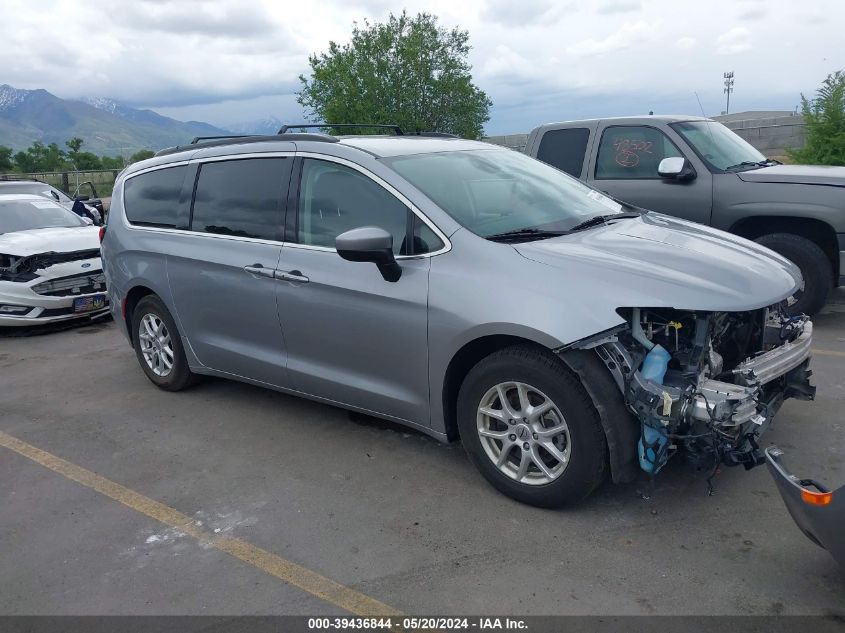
[107, 126]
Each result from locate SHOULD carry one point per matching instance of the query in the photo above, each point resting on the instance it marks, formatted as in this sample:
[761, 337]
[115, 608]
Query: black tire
[180, 376]
[588, 458]
[815, 268]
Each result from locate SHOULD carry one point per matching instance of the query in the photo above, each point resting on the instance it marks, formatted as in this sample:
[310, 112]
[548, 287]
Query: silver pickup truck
[697, 169]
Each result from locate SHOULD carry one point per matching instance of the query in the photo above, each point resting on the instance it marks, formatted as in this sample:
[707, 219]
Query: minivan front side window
[241, 197]
[334, 199]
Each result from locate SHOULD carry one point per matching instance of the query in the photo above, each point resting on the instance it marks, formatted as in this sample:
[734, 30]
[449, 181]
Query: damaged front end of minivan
[706, 384]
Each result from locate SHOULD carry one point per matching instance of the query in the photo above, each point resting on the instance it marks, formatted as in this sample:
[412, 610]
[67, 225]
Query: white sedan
[50, 268]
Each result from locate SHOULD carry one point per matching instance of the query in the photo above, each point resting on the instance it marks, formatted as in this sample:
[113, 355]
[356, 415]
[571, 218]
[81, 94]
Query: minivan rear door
[222, 274]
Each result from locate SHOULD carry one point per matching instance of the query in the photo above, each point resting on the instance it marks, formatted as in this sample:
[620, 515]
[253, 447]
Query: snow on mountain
[11, 97]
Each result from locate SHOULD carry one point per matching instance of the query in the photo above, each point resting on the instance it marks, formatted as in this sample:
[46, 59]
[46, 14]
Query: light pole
[729, 88]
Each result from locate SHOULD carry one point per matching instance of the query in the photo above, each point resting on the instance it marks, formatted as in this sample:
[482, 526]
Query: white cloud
[629, 35]
[230, 60]
[736, 40]
[618, 6]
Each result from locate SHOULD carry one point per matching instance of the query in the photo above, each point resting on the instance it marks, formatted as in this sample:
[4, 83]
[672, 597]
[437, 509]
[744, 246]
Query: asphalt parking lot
[269, 504]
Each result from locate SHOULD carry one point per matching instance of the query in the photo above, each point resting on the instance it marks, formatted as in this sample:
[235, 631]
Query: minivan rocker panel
[561, 342]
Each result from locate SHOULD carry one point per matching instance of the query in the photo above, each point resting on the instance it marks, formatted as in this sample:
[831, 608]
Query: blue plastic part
[653, 444]
[655, 456]
[655, 364]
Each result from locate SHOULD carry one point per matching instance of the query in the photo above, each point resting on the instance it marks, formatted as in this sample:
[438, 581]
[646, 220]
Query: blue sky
[227, 62]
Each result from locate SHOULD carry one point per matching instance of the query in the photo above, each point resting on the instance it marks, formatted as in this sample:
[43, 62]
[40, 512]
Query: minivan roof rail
[396, 129]
[197, 139]
[217, 141]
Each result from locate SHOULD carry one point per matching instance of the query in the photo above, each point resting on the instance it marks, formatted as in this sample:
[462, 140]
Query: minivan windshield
[492, 192]
[719, 146]
[26, 215]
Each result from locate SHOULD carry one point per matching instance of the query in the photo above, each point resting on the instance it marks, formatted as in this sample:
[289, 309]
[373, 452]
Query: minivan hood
[656, 261]
[59, 240]
[797, 174]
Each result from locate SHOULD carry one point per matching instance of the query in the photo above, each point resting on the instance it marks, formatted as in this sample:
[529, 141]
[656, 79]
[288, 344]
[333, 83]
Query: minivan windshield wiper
[601, 219]
[524, 235]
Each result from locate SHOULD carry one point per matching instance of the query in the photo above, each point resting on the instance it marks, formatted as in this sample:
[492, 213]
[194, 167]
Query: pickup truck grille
[83, 284]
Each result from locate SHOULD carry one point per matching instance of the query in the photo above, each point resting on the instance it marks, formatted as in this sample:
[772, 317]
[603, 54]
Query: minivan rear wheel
[158, 346]
[530, 428]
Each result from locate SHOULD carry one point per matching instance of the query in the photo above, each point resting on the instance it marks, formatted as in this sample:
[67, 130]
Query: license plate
[89, 304]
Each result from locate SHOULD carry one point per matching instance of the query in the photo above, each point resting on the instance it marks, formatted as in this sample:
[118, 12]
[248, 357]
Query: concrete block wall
[772, 136]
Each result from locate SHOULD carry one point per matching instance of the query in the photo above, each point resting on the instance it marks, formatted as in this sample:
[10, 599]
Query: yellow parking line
[288, 571]
[828, 352]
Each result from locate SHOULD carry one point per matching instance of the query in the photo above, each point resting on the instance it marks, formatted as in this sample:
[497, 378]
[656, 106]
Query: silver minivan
[463, 289]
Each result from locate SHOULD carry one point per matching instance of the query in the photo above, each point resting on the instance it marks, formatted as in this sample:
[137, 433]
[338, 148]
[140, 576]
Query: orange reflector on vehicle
[816, 498]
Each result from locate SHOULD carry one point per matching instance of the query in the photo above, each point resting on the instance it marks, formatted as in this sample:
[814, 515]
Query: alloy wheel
[523, 433]
[156, 345]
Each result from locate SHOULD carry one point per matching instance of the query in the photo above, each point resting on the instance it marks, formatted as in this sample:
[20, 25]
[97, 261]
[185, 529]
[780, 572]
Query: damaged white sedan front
[50, 268]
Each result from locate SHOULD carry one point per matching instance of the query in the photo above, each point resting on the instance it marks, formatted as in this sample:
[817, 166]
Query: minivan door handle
[293, 275]
[259, 271]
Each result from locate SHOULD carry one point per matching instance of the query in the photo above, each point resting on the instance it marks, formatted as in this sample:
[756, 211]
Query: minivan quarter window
[153, 198]
[241, 197]
[334, 198]
[632, 152]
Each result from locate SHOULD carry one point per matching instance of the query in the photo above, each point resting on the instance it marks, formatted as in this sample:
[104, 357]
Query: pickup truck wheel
[815, 268]
[158, 346]
[530, 428]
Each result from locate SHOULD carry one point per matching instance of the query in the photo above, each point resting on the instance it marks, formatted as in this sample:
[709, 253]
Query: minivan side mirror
[676, 168]
[370, 244]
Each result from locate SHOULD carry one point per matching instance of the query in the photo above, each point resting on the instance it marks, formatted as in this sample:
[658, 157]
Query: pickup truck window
[718, 146]
[632, 152]
[565, 149]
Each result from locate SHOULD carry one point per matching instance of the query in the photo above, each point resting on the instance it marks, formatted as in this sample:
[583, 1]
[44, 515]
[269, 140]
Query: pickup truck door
[623, 163]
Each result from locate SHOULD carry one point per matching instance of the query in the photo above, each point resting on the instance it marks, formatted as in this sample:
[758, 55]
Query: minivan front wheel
[158, 346]
[531, 429]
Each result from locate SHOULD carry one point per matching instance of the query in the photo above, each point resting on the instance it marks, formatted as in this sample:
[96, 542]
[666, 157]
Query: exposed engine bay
[707, 384]
[23, 268]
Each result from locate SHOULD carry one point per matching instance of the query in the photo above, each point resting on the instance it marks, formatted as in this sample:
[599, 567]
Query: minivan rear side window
[565, 149]
[241, 197]
[153, 198]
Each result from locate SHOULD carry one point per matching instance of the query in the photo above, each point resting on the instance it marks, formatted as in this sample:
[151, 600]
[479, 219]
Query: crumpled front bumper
[818, 512]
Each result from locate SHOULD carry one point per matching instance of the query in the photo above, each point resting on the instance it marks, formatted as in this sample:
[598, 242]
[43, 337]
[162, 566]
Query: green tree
[24, 162]
[6, 161]
[112, 162]
[74, 145]
[825, 118]
[84, 161]
[40, 157]
[408, 71]
[142, 154]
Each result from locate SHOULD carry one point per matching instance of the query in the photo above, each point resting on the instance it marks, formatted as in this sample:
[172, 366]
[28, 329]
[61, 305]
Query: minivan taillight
[102, 233]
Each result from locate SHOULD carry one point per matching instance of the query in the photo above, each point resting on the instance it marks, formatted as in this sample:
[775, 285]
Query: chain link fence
[71, 181]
